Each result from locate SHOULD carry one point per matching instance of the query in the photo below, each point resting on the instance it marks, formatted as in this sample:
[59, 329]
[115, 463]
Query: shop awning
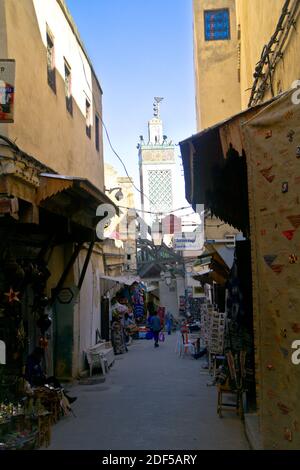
[73, 198]
[215, 169]
[205, 269]
[211, 266]
[152, 288]
[211, 277]
[126, 280]
[52, 184]
[36, 187]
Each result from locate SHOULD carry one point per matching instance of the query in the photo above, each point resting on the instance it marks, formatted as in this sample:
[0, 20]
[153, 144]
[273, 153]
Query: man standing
[155, 326]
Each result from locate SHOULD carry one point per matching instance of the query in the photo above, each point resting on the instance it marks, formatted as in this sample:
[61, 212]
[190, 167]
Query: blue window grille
[217, 25]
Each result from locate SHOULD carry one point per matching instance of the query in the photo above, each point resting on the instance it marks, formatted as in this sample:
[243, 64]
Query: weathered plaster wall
[43, 127]
[216, 68]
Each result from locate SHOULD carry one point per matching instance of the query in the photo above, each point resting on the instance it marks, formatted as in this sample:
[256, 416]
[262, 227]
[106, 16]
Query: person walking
[155, 325]
[169, 322]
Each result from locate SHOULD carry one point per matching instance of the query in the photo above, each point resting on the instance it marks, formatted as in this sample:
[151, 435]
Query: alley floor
[151, 400]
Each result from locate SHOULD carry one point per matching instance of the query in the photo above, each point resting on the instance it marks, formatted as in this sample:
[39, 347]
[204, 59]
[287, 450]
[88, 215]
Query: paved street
[151, 400]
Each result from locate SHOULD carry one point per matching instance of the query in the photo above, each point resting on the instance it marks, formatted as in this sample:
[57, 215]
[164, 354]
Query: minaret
[157, 168]
[155, 125]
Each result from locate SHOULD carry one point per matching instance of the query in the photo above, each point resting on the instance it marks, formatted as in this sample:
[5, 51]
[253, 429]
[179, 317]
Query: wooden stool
[238, 403]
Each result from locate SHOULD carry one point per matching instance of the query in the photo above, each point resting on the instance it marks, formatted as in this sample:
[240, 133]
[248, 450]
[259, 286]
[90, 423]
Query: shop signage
[189, 241]
[229, 241]
[7, 90]
[65, 295]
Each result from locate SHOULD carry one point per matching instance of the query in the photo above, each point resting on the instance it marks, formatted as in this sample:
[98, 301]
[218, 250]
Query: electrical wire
[158, 213]
[108, 137]
[121, 160]
[123, 164]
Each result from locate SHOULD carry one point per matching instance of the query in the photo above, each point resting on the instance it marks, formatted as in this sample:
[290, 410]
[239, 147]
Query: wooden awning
[218, 271]
[74, 198]
[34, 194]
[215, 169]
[52, 184]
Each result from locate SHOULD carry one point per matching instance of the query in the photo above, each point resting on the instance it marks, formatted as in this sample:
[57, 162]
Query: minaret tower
[157, 168]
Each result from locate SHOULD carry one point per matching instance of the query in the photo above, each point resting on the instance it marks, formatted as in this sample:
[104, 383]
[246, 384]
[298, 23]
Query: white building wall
[88, 308]
[169, 297]
[49, 13]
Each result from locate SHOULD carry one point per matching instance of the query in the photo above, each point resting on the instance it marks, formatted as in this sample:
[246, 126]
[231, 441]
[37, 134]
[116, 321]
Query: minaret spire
[156, 106]
[155, 124]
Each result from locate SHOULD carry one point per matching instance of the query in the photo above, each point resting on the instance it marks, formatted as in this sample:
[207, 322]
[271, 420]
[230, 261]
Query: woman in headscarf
[117, 336]
[117, 329]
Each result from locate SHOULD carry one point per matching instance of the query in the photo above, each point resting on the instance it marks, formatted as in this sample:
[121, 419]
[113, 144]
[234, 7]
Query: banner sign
[189, 241]
[7, 90]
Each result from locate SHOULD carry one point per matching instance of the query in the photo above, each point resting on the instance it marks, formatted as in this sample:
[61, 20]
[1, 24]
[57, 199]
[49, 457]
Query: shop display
[138, 301]
[195, 307]
[182, 305]
[206, 310]
[24, 426]
[143, 332]
[216, 333]
[26, 414]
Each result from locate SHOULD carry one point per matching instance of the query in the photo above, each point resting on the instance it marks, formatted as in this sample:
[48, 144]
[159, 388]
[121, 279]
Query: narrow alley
[151, 399]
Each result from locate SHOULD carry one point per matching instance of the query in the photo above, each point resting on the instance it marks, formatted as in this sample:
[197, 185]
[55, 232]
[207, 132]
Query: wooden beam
[66, 272]
[86, 263]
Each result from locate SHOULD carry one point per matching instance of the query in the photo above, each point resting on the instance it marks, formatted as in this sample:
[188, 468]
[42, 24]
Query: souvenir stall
[246, 171]
[238, 339]
[182, 305]
[26, 412]
[139, 306]
[24, 422]
[124, 327]
[41, 237]
[195, 307]
[138, 298]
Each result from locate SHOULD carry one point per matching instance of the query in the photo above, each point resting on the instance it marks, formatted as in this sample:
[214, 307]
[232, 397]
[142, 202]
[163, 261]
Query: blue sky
[140, 49]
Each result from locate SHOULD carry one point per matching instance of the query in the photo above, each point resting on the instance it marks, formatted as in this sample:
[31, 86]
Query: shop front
[47, 245]
[246, 171]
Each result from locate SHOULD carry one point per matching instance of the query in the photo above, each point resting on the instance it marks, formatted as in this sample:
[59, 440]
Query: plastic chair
[184, 345]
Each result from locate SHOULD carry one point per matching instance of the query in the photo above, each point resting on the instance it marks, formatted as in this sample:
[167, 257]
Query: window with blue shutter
[217, 25]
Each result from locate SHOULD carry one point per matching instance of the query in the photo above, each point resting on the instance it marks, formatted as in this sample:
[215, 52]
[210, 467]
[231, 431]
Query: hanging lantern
[44, 323]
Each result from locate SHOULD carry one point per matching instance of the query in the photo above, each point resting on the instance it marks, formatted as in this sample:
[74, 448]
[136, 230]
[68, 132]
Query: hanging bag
[161, 336]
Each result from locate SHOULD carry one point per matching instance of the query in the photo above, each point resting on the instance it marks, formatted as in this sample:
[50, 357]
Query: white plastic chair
[184, 348]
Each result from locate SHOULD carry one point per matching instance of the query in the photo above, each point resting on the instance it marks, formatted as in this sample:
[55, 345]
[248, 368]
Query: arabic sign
[7, 90]
[189, 241]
